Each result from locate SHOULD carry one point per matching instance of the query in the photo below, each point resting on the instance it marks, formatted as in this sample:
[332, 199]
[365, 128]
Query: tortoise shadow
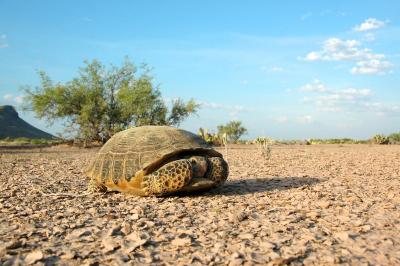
[263, 184]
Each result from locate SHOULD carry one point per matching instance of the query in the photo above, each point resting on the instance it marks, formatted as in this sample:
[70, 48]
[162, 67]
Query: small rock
[110, 244]
[343, 236]
[266, 245]
[246, 236]
[323, 204]
[313, 215]
[129, 246]
[14, 244]
[133, 217]
[236, 262]
[33, 257]
[365, 228]
[236, 255]
[78, 233]
[133, 241]
[236, 259]
[126, 228]
[68, 254]
[181, 241]
[238, 217]
[115, 230]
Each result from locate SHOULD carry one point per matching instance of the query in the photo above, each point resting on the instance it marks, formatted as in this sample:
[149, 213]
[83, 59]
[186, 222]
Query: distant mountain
[12, 126]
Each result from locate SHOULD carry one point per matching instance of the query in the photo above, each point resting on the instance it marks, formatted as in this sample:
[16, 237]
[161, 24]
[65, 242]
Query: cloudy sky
[288, 70]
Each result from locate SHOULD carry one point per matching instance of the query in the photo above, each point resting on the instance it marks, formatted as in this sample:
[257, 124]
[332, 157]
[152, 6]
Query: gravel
[305, 205]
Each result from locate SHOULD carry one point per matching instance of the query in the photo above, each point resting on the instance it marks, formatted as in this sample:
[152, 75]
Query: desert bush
[264, 146]
[380, 139]
[334, 141]
[210, 138]
[233, 130]
[394, 138]
[27, 141]
[102, 101]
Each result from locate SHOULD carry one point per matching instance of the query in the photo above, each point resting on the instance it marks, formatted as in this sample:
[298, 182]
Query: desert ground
[305, 205]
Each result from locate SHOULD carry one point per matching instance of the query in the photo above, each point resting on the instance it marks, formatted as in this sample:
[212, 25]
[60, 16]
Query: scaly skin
[188, 175]
[168, 179]
[217, 170]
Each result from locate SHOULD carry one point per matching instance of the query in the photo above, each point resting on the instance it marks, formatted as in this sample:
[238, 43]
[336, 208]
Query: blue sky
[286, 69]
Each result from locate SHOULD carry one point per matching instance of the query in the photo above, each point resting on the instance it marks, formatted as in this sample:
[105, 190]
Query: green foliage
[211, 138]
[28, 141]
[100, 101]
[380, 139]
[233, 130]
[263, 140]
[264, 146]
[394, 138]
[333, 141]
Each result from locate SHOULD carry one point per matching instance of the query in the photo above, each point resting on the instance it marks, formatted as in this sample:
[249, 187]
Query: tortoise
[156, 160]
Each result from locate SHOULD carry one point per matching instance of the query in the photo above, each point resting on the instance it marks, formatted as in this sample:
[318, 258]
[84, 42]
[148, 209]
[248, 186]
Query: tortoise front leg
[169, 178]
[94, 186]
[217, 171]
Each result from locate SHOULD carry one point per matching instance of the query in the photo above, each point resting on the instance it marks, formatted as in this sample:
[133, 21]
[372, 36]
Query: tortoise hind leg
[94, 186]
[169, 178]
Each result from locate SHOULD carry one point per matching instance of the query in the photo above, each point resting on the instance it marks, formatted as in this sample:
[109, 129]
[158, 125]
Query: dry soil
[305, 205]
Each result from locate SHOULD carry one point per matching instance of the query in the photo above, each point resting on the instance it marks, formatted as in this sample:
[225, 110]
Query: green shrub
[380, 139]
[394, 138]
[211, 138]
[334, 141]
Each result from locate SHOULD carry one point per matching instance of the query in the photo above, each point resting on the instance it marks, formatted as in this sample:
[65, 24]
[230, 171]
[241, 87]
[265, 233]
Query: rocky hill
[12, 126]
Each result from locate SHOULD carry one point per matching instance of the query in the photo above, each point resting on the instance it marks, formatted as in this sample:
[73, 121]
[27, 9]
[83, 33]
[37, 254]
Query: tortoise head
[199, 165]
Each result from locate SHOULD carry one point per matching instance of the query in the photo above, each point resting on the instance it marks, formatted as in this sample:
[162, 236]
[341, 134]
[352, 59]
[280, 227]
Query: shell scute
[143, 149]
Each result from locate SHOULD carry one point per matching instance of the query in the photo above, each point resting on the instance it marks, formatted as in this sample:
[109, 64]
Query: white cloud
[7, 97]
[382, 108]
[313, 56]
[231, 109]
[306, 119]
[335, 49]
[369, 24]
[315, 86]
[11, 99]
[356, 92]
[18, 99]
[367, 62]
[345, 100]
[330, 109]
[3, 41]
[373, 66]
[369, 37]
[328, 99]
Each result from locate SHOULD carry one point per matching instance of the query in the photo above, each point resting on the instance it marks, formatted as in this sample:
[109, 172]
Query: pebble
[33, 257]
[303, 205]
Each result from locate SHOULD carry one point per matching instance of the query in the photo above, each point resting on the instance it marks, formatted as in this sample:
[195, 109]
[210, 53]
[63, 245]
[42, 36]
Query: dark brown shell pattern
[138, 148]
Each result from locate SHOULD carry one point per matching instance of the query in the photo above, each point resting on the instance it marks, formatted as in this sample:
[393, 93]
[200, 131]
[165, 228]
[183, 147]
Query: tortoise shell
[144, 150]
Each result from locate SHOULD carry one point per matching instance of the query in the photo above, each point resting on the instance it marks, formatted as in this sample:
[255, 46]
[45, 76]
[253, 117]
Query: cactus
[264, 145]
[211, 138]
[380, 139]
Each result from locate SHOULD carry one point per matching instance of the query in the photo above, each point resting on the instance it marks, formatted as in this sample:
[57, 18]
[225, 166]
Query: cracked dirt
[306, 205]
